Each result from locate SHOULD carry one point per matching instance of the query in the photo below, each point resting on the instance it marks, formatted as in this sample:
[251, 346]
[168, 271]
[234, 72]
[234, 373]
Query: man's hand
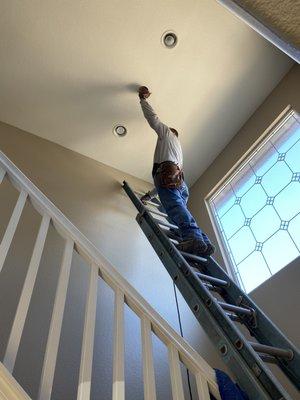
[144, 92]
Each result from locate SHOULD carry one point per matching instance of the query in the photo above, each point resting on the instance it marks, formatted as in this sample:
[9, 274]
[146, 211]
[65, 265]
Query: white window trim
[257, 145]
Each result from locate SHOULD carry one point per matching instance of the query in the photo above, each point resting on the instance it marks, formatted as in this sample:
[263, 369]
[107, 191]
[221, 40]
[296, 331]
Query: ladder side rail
[263, 329]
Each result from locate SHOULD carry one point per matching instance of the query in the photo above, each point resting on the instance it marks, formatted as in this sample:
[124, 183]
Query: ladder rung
[213, 288]
[151, 203]
[236, 309]
[167, 224]
[157, 212]
[273, 351]
[215, 281]
[140, 194]
[268, 359]
[193, 257]
[233, 317]
[172, 235]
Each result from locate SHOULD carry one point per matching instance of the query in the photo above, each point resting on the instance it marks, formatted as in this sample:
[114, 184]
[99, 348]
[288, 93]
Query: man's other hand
[144, 92]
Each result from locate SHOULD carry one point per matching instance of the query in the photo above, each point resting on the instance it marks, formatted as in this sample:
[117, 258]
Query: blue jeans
[175, 204]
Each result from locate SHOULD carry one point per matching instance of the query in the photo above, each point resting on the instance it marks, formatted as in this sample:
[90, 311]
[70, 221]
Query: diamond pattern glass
[224, 201]
[258, 210]
[243, 182]
[293, 157]
[264, 160]
[276, 178]
[242, 244]
[296, 177]
[265, 223]
[287, 203]
[270, 200]
[281, 157]
[294, 230]
[286, 253]
[253, 200]
[232, 220]
[286, 136]
[254, 271]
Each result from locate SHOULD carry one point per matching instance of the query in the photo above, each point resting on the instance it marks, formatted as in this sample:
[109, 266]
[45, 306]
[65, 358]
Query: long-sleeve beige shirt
[168, 147]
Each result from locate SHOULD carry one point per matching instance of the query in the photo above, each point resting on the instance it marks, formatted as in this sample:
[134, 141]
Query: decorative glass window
[256, 210]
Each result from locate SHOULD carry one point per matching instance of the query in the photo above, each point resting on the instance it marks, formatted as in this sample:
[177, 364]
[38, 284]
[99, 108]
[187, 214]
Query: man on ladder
[169, 182]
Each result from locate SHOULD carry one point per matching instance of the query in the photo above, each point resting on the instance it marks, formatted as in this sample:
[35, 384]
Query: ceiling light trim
[167, 41]
[120, 130]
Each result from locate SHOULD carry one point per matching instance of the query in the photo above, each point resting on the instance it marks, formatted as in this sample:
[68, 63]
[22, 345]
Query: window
[256, 209]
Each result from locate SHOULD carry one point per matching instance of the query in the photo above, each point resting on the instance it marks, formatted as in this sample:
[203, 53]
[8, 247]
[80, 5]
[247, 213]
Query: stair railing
[99, 268]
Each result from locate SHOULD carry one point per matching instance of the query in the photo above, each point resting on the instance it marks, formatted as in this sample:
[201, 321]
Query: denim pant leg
[206, 238]
[174, 202]
[185, 194]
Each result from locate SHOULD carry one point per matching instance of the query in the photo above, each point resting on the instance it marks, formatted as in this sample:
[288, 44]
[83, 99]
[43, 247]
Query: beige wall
[280, 296]
[90, 194]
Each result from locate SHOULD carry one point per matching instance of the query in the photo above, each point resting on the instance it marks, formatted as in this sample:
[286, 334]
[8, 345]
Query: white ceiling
[68, 71]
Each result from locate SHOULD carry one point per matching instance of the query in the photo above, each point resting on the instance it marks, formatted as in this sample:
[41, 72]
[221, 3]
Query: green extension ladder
[219, 305]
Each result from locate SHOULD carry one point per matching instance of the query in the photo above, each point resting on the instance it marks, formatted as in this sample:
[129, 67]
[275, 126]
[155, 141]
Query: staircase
[99, 269]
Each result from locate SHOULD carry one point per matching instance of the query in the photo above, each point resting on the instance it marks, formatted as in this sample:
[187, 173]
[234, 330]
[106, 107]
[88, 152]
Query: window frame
[231, 174]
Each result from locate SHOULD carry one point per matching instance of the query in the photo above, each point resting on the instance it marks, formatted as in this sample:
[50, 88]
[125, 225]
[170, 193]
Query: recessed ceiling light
[120, 130]
[169, 39]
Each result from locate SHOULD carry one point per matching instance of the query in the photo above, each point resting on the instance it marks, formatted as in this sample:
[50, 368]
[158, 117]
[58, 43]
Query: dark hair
[174, 131]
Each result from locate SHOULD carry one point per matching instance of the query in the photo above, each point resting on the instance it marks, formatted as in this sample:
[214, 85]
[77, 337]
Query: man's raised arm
[150, 115]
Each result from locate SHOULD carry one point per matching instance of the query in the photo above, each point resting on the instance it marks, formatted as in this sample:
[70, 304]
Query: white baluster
[11, 227]
[118, 361]
[148, 366]
[56, 324]
[175, 373]
[2, 174]
[23, 306]
[202, 387]
[85, 374]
